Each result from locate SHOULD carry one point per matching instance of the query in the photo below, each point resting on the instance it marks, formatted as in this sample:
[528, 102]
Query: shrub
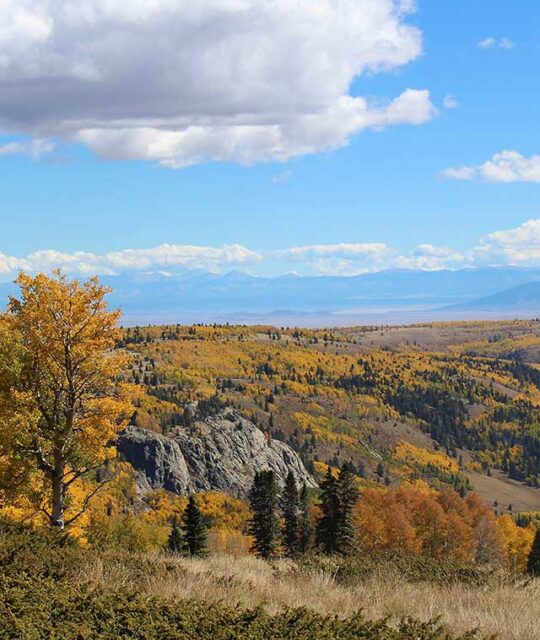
[41, 600]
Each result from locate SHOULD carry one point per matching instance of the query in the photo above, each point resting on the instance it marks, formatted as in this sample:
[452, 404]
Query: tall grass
[508, 608]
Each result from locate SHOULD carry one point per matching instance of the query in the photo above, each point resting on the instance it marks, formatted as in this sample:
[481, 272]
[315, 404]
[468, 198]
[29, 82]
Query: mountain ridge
[199, 296]
[523, 296]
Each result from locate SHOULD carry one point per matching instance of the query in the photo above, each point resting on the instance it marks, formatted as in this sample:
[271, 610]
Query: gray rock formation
[220, 453]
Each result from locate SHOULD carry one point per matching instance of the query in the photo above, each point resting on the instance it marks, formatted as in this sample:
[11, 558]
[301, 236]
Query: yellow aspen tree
[63, 395]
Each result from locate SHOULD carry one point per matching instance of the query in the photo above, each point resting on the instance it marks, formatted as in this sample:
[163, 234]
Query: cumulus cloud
[35, 148]
[281, 177]
[11, 264]
[507, 166]
[355, 259]
[247, 144]
[180, 257]
[180, 82]
[340, 259]
[501, 43]
[449, 102]
[516, 246]
[342, 248]
[487, 43]
[427, 257]
[460, 173]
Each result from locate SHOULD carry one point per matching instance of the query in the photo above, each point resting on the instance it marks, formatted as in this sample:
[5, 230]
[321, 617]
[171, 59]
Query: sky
[329, 137]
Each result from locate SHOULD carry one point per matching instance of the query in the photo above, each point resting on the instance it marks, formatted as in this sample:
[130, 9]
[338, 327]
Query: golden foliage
[516, 542]
[414, 459]
[60, 392]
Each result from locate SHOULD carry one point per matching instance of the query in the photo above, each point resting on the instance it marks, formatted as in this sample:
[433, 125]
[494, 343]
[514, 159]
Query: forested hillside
[345, 459]
[437, 402]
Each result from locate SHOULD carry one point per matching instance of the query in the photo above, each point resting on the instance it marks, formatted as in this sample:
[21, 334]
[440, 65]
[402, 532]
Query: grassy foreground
[494, 604]
[62, 592]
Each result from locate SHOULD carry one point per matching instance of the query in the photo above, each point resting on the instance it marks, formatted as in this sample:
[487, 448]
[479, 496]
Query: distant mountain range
[382, 297]
[523, 297]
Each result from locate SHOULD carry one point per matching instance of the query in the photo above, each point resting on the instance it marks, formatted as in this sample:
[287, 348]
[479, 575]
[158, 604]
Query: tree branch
[45, 466]
[87, 501]
[83, 472]
[43, 510]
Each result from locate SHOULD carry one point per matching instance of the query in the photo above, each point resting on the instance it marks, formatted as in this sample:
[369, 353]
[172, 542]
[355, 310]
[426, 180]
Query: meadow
[55, 589]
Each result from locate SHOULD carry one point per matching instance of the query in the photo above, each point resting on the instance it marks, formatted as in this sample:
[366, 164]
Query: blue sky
[370, 199]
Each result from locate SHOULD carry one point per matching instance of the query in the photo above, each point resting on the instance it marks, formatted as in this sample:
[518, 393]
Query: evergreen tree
[533, 563]
[176, 542]
[289, 510]
[347, 497]
[327, 526]
[264, 525]
[194, 529]
[305, 532]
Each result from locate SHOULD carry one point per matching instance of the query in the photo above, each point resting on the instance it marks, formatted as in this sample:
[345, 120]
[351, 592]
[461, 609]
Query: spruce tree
[347, 497]
[194, 529]
[264, 524]
[327, 526]
[289, 510]
[305, 533]
[176, 542]
[533, 562]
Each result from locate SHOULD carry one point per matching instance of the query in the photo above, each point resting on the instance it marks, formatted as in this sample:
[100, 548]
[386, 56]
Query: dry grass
[512, 611]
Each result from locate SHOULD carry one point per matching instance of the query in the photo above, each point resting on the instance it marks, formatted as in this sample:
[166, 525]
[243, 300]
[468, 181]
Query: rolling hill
[427, 402]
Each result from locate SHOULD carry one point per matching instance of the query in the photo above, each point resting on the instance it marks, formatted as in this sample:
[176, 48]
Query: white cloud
[12, 148]
[181, 82]
[426, 257]
[281, 177]
[516, 246]
[247, 144]
[487, 43]
[354, 259]
[506, 43]
[181, 257]
[507, 166]
[449, 102]
[35, 148]
[342, 248]
[501, 43]
[460, 173]
[10, 264]
[339, 259]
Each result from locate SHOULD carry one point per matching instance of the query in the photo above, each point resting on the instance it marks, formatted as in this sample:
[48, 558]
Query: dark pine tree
[533, 563]
[176, 542]
[194, 529]
[327, 526]
[305, 533]
[347, 497]
[264, 524]
[290, 513]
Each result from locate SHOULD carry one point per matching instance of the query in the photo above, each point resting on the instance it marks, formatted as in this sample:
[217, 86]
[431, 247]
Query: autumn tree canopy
[61, 404]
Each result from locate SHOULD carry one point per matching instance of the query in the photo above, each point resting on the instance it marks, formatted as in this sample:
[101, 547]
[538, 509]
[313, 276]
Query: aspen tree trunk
[58, 492]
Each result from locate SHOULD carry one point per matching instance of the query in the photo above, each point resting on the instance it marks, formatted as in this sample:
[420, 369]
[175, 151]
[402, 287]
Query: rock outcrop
[220, 453]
